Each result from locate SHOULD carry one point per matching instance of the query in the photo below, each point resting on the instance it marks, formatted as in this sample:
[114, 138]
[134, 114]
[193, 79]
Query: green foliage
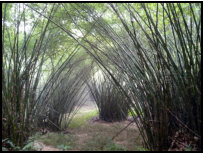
[22, 64]
[155, 46]
[66, 94]
[28, 146]
[11, 143]
[159, 52]
[8, 145]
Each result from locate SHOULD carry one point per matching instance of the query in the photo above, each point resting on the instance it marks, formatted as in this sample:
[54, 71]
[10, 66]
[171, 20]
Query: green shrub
[110, 101]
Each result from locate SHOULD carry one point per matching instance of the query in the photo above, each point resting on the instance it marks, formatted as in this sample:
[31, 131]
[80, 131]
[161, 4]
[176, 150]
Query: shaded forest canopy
[143, 58]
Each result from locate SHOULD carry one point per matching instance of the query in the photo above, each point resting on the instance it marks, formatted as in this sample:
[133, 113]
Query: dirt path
[100, 131]
[95, 133]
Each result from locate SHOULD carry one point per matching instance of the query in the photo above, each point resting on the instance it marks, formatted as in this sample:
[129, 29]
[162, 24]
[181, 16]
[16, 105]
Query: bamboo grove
[149, 53]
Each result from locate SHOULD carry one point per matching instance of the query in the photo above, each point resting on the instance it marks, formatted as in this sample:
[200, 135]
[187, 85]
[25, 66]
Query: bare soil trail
[96, 132]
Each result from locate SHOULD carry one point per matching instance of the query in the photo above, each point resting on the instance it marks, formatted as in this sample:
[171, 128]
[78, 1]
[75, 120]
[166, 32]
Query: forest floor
[87, 132]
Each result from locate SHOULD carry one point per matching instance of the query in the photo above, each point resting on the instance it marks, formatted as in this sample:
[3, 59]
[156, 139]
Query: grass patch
[58, 139]
[102, 143]
[114, 147]
[82, 117]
